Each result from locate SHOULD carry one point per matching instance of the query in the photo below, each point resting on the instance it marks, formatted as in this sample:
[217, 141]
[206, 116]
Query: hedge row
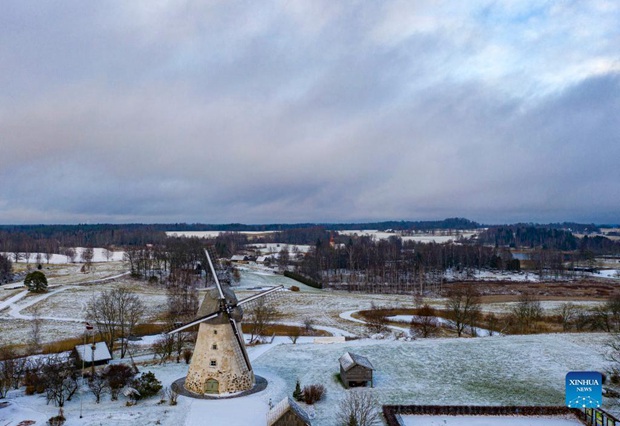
[390, 412]
[304, 280]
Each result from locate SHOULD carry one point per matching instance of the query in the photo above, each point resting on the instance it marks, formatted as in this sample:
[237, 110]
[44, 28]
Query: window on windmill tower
[214, 331]
[213, 363]
[214, 346]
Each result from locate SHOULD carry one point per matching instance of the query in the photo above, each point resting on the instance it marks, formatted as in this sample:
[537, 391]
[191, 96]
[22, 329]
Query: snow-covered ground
[275, 248]
[210, 234]
[99, 255]
[511, 370]
[480, 332]
[521, 370]
[488, 421]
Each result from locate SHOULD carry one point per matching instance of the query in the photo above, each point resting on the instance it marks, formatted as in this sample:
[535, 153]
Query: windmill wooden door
[212, 386]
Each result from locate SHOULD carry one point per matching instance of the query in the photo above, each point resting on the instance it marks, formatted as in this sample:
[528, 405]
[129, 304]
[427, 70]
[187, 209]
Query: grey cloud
[233, 112]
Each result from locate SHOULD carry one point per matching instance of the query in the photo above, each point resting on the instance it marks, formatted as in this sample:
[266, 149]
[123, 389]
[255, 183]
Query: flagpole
[88, 327]
[82, 381]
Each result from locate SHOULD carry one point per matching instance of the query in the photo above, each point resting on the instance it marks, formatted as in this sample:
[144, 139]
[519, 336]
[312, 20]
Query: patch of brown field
[507, 291]
[286, 330]
[151, 328]
[65, 345]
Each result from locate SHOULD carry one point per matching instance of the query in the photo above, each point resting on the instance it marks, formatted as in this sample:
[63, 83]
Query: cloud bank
[263, 112]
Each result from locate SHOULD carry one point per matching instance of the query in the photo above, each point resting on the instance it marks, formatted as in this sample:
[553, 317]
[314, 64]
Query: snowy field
[511, 370]
[275, 248]
[438, 237]
[488, 421]
[211, 234]
[99, 255]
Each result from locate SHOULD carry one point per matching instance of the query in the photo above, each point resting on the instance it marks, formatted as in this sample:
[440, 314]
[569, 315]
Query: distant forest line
[357, 262]
[40, 237]
[138, 234]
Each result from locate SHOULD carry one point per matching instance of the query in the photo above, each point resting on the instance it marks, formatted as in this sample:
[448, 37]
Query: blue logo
[584, 389]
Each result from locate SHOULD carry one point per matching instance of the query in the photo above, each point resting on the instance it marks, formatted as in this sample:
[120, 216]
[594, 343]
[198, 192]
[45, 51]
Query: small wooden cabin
[355, 370]
[287, 413]
[98, 353]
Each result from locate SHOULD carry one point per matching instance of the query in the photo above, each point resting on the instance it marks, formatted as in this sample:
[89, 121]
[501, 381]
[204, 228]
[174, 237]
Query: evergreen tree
[36, 282]
[297, 393]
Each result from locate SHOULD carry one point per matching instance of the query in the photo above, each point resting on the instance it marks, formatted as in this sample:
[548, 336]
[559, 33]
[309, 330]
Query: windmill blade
[194, 322]
[239, 338]
[217, 281]
[259, 295]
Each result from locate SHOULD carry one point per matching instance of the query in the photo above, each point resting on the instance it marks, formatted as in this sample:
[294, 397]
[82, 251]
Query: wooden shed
[355, 370]
[97, 353]
[287, 413]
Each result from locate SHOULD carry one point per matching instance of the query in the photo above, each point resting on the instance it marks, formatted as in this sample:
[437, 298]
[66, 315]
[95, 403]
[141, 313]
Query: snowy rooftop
[101, 352]
[348, 360]
[282, 407]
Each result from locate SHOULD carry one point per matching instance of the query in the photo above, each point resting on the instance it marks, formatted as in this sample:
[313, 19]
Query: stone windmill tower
[220, 363]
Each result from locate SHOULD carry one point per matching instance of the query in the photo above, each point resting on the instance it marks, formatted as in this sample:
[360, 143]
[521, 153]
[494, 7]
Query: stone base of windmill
[179, 387]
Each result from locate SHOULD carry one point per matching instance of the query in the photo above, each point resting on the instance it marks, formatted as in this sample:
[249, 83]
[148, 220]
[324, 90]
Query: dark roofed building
[355, 370]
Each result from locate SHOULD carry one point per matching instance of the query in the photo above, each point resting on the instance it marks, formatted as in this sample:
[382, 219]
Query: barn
[355, 370]
[287, 413]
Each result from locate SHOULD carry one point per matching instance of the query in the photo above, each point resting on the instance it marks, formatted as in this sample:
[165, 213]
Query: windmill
[220, 363]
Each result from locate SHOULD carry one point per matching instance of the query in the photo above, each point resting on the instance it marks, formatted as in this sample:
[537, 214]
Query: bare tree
[426, 322]
[568, 313]
[294, 336]
[464, 307]
[116, 313]
[70, 253]
[108, 253]
[98, 386]
[49, 252]
[172, 395]
[35, 330]
[163, 347]
[308, 324]
[260, 316]
[359, 408]
[60, 380]
[526, 313]
[283, 258]
[87, 257]
[12, 369]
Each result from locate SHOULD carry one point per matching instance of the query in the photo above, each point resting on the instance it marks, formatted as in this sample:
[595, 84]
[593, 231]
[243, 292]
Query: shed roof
[282, 407]
[350, 360]
[101, 352]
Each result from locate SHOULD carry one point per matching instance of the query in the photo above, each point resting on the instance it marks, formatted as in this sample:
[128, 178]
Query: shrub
[147, 385]
[118, 376]
[187, 355]
[58, 420]
[313, 393]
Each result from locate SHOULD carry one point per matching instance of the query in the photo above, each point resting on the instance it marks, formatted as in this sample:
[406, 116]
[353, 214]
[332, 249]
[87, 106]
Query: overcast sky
[317, 111]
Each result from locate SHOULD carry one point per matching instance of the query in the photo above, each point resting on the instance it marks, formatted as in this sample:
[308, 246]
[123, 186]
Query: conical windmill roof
[211, 304]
